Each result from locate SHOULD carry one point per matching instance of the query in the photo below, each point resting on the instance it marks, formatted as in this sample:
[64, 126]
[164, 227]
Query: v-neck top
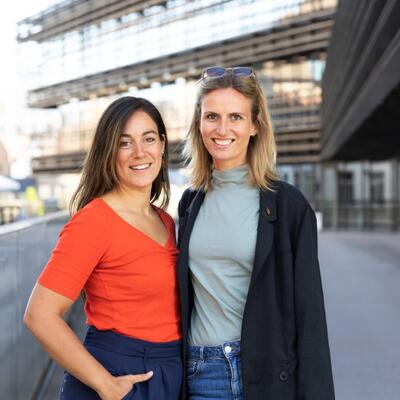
[129, 278]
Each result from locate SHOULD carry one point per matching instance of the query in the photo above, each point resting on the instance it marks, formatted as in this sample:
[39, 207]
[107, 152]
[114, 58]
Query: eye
[211, 117]
[236, 117]
[125, 144]
[150, 139]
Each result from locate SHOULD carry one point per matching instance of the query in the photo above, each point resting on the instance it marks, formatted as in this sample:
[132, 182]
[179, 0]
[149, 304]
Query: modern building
[84, 54]
[360, 136]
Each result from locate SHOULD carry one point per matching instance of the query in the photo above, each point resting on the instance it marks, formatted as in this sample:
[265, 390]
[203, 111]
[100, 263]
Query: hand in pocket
[121, 385]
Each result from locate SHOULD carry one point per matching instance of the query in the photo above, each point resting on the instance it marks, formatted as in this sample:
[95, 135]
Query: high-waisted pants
[122, 355]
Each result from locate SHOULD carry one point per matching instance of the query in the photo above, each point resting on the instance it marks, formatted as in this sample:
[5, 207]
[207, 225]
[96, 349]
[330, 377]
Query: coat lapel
[190, 217]
[265, 230]
[187, 221]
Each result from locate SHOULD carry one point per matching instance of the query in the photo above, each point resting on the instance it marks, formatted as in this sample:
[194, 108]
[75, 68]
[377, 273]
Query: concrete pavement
[361, 278]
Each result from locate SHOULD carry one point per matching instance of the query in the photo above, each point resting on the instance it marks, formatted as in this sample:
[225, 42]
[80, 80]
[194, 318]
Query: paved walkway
[361, 278]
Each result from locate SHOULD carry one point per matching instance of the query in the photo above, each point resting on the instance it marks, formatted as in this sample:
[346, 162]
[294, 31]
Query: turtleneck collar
[230, 178]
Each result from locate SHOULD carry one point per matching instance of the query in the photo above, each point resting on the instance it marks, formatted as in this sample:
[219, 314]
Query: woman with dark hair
[119, 248]
[253, 319]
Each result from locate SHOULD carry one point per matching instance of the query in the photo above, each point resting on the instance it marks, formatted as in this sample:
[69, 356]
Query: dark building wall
[361, 85]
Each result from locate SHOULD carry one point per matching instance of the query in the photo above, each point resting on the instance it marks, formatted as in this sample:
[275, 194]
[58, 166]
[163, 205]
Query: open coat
[284, 342]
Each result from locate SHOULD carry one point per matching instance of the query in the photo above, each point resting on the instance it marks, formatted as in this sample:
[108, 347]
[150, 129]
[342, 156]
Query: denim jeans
[214, 372]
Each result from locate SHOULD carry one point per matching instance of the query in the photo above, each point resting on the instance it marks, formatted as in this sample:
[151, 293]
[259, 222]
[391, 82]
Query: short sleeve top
[129, 279]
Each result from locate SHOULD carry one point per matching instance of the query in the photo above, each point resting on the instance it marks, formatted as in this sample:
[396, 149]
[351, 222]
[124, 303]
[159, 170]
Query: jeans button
[283, 376]
[228, 349]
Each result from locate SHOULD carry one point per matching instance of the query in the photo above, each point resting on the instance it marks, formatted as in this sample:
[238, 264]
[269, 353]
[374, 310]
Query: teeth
[142, 166]
[223, 142]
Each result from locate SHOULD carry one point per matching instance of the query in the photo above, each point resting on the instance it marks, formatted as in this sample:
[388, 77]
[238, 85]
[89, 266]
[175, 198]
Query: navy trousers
[122, 355]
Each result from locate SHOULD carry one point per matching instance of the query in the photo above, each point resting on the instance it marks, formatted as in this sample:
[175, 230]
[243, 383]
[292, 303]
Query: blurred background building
[360, 118]
[84, 53]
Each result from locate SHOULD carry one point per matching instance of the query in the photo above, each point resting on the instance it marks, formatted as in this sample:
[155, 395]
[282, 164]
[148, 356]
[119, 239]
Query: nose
[222, 127]
[138, 151]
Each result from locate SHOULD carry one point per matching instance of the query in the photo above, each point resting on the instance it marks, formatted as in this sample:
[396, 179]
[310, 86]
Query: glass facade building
[85, 54]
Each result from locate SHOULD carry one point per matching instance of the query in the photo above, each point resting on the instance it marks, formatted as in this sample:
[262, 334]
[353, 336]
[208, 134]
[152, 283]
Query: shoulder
[88, 228]
[188, 194]
[187, 197]
[91, 217]
[290, 195]
[291, 202]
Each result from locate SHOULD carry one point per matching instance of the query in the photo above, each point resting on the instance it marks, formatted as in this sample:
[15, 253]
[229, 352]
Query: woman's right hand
[120, 386]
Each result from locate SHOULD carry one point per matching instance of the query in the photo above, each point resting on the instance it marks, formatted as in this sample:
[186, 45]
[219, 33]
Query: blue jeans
[214, 372]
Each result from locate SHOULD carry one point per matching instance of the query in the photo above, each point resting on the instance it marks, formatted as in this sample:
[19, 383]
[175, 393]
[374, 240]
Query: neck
[133, 200]
[232, 178]
[227, 167]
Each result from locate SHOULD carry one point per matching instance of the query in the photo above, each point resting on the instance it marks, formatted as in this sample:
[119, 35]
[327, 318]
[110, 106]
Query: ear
[253, 130]
[163, 147]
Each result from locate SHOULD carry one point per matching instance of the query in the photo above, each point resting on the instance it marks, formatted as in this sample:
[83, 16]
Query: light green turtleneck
[221, 255]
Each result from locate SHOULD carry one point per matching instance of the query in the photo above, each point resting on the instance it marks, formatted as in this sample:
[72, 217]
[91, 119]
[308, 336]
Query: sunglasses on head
[216, 72]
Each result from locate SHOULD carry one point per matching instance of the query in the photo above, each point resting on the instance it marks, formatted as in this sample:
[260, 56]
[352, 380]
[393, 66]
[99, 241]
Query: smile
[140, 167]
[223, 142]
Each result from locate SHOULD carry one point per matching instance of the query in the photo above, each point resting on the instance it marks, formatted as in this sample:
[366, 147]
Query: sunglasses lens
[214, 72]
[242, 71]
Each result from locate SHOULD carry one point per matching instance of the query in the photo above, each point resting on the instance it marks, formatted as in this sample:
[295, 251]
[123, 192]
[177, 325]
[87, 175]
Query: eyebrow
[231, 113]
[143, 134]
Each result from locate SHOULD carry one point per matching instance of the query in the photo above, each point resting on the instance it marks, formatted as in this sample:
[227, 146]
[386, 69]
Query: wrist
[104, 384]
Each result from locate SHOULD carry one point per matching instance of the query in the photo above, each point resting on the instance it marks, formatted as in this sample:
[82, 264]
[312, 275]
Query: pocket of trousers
[130, 395]
[192, 368]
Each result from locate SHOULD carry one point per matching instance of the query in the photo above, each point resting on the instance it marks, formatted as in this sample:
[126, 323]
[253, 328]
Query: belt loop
[201, 352]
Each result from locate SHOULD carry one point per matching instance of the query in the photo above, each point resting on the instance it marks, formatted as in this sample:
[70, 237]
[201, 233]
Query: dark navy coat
[284, 341]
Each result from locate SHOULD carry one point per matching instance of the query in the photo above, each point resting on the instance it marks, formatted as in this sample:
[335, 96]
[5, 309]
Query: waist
[115, 342]
[150, 320]
[226, 349]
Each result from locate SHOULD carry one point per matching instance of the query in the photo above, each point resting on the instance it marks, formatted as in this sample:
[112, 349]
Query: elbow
[28, 318]
[33, 319]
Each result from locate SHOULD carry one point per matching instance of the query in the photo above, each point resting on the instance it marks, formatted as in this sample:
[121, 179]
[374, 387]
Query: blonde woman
[252, 305]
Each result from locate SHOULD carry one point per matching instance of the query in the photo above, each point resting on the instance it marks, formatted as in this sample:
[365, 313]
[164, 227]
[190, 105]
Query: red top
[129, 279]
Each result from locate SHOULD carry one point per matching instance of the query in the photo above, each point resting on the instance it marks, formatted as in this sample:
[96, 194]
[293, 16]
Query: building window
[345, 181]
[376, 188]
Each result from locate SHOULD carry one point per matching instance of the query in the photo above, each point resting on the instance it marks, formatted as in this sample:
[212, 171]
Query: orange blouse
[129, 279]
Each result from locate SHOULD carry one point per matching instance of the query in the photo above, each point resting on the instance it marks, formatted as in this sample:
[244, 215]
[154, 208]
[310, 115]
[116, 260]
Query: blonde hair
[261, 151]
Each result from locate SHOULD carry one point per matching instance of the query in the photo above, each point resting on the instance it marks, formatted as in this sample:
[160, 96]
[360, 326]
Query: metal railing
[24, 249]
[362, 215]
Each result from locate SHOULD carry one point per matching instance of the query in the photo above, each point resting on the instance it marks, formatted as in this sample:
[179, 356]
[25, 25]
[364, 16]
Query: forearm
[64, 347]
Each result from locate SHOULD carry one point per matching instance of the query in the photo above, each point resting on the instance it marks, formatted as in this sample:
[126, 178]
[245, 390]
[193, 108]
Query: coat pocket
[264, 373]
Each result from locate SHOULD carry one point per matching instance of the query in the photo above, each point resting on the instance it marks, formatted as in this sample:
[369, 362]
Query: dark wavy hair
[99, 174]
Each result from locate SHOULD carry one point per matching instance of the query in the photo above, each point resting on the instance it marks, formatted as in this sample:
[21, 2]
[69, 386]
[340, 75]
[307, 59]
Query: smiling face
[139, 156]
[226, 127]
